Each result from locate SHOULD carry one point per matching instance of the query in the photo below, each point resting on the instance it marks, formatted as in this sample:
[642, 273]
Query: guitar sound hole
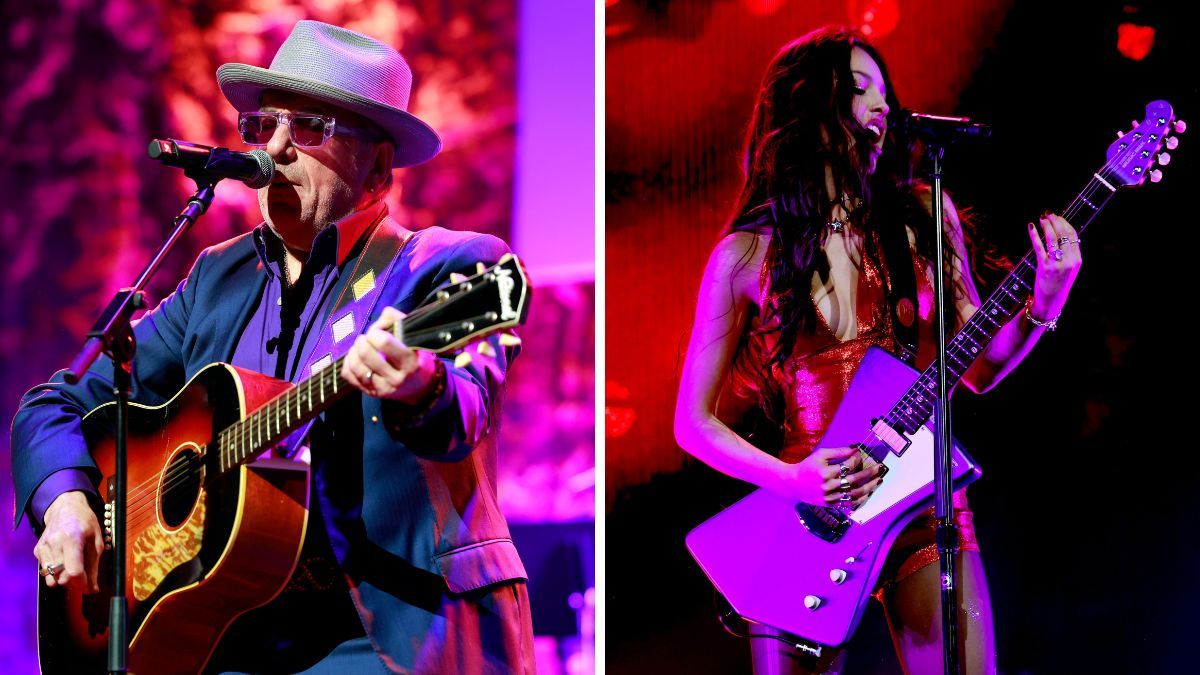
[180, 487]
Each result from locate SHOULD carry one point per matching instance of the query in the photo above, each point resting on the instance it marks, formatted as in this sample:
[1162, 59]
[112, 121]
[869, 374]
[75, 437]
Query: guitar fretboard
[278, 418]
[916, 406]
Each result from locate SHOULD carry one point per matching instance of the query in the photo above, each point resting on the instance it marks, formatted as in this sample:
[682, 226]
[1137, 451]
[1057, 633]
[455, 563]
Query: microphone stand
[947, 529]
[112, 334]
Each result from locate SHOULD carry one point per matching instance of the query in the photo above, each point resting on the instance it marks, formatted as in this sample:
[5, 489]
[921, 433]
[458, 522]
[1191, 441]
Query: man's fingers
[74, 571]
[92, 562]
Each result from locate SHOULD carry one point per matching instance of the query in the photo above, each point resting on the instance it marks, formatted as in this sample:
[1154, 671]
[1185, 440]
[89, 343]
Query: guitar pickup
[894, 440]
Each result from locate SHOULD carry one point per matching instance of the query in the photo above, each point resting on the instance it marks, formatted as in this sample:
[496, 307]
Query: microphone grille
[266, 170]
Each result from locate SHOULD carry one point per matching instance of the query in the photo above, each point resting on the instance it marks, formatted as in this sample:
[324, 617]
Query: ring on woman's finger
[844, 470]
[1063, 241]
[1056, 253]
[51, 569]
[844, 481]
[367, 378]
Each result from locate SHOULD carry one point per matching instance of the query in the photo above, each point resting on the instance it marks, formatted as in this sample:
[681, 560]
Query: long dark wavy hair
[802, 123]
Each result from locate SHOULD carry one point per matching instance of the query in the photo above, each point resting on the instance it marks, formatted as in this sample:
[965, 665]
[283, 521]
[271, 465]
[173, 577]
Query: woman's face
[869, 104]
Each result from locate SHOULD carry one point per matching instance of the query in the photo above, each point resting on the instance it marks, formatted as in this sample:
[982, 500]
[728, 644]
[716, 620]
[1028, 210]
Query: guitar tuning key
[509, 340]
[1164, 158]
[1172, 142]
[456, 278]
[1180, 126]
[480, 268]
[1155, 176]
[462, 360]
[485, 349]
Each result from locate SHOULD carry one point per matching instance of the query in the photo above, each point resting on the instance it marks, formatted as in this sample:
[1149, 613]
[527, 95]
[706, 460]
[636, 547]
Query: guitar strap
[901, 290]
[351, 313]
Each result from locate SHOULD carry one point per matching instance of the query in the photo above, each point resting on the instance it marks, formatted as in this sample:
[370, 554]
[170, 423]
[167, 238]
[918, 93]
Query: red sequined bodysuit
[816, 379]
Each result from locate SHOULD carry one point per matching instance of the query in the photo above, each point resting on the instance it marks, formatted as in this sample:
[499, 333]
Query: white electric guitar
[808, 570]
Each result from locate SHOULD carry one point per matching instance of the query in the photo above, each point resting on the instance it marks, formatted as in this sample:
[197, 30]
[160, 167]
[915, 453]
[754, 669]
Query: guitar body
[765, 561]
[203, 546]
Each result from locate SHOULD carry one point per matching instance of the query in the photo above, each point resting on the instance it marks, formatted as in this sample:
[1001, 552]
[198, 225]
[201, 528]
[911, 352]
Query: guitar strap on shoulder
[351, 314]
[901, 291]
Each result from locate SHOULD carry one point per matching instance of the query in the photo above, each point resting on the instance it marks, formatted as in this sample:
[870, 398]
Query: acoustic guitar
[212, 532]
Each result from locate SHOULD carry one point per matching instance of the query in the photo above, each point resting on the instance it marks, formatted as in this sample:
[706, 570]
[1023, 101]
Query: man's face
[313, 187]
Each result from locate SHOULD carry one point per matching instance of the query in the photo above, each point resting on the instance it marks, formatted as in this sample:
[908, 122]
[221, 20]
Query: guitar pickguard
[157, 551]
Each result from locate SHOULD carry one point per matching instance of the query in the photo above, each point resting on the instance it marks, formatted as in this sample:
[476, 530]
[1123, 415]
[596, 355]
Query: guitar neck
[916, 406]
[277, 419]
[494, 299]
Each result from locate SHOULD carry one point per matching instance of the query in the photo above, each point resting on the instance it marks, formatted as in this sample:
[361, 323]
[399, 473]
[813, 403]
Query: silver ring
[370, 374]
[51, 569]
[1063, 241]
[1056, 253]
[844, 470]
[844, 482]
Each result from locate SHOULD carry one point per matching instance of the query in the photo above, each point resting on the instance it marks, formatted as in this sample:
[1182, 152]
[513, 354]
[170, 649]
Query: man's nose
[280, 146]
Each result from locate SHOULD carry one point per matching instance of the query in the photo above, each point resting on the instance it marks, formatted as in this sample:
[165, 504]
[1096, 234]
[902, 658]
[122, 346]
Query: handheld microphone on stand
[943, 130]
[254, 168]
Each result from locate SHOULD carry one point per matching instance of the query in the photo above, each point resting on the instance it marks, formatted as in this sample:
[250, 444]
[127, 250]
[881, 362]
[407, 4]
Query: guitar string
[255, 420]
[1070, 212]
[184, 471]
[1026, 264]
[411, 318]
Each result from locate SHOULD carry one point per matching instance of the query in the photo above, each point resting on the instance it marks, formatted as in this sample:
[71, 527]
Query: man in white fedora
[407, 564]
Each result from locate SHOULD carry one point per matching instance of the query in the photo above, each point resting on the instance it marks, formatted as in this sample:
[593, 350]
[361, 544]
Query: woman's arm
[728, 292]
[1052, 285]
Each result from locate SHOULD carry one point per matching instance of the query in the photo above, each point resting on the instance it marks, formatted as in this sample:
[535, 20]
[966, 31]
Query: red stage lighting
[1135, 41]
[875, 18]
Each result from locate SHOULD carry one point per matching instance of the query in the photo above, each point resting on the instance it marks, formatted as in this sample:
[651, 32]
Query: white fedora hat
[347, 69]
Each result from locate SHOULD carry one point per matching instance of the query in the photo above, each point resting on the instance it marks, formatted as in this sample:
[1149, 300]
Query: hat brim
[416, 142]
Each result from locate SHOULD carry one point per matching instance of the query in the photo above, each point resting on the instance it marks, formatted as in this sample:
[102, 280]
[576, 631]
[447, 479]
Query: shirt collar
[346, 233]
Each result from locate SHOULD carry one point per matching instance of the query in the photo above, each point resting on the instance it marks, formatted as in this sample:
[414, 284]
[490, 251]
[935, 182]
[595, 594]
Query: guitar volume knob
[812, 602]
[837, 576]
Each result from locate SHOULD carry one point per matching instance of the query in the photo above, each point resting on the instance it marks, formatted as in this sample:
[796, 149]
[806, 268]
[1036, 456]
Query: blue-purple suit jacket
[411, 515]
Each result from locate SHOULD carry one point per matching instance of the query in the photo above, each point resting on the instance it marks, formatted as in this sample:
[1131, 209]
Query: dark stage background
[1084, 511]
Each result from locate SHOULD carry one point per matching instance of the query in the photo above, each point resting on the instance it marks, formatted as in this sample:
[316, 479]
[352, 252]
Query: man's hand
[73, 539]
[380, 365]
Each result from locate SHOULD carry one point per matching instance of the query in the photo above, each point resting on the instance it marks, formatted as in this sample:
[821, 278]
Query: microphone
[943, 130]
[254, 168]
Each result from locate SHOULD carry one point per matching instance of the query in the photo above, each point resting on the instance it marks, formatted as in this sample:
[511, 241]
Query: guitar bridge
[823, 521]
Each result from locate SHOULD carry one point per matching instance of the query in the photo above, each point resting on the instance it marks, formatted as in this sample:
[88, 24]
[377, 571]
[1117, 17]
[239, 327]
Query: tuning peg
[509, 340]
[1155, 176]
[480, 268]
[462, 360]
[1164, 158]
[456, 278]
[1172, 142]
[1180, 126]
[485, 349]
[1120, 134]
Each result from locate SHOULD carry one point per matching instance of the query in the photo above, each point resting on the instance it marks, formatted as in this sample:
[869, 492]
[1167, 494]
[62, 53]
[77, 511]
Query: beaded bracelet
[414, 415]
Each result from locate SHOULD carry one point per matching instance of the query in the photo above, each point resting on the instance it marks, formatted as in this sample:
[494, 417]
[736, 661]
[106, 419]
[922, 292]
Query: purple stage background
[87, 84]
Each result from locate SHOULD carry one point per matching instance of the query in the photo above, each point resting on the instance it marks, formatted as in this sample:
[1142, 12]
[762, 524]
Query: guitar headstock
[1132, 156]
[468, 308]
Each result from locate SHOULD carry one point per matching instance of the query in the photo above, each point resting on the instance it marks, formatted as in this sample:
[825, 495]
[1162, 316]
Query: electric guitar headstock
[1132, 157]
[493, 299]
